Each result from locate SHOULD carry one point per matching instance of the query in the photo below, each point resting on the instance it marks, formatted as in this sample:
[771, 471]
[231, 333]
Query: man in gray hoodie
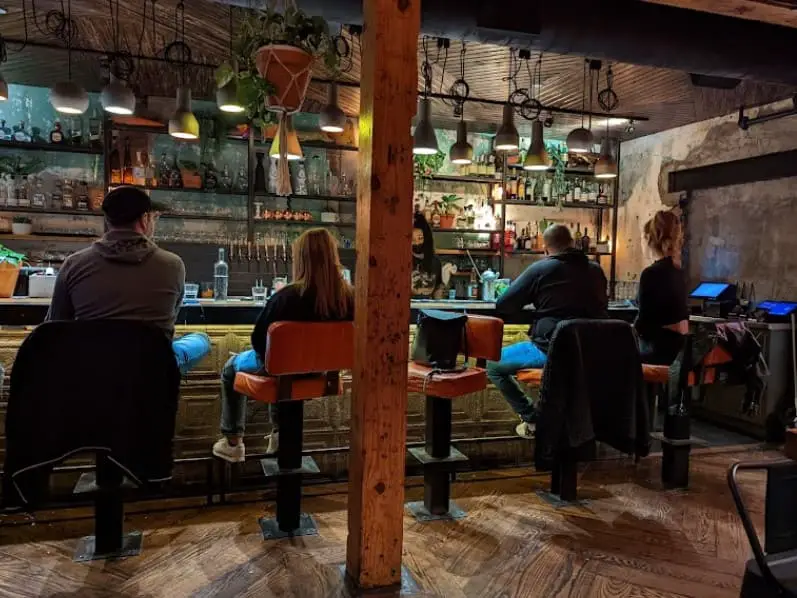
[126, 276]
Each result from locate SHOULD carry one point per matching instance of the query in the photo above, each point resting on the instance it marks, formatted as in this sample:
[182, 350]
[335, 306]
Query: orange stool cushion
[264, 388]
[446, 386]
[533, 376]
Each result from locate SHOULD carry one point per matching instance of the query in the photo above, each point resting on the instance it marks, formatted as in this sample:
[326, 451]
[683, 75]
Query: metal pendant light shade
[332, 119]
[183, 124]
[227, 98]
[68, 97]
[117, 98]
[507, 138]
[606, 166]
[537, 156]
[293, 149]
[424, 139]
[580, 141]
[461, 151]
[3, 89]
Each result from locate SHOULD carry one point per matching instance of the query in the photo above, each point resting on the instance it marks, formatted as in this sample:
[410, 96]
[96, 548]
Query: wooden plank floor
[630, 541]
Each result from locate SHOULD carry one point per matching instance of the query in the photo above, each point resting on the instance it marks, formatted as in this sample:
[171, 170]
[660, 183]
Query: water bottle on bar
[220, 277]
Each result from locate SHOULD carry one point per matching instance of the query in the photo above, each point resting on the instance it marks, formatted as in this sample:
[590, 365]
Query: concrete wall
[740, 232]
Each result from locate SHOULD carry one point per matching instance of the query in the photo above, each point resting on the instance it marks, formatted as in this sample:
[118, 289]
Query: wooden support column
[389, 83]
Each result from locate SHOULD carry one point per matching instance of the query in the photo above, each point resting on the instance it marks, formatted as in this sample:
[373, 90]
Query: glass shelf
[586, 205]
[305, 223]
[49, 147]
[341, 198]
[182, 190]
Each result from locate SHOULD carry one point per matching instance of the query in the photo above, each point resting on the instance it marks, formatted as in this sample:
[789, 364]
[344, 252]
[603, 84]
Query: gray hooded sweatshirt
[123, 276]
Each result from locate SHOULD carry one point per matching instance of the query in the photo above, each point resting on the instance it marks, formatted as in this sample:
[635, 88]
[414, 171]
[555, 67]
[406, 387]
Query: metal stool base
[422, 514]
[271, 530]
[86, 548]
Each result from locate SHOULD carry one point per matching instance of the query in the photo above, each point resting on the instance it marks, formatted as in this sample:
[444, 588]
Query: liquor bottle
[211, 181]
[68, 198]
[260, 174]
[521, 188]
[221, 272]
[175, 176]
[602, 198]
[3, 189]
[39, 199]
[585, 241]
[577, 236]
[577, 190]
[546, 191]
[529, 243]
[163, 171]
[23, 199]
[140, 169]
[58, 195]
[242, 180]
[76, 134]
[116, 167]
[57, 135]
[435, 222]
[520, 240]
[5, 132]
[95, 130]
[83, 196]
[592, 195]
[127, 165]
[528, 189]
[13, 192]
[20, 134]
[225, 180]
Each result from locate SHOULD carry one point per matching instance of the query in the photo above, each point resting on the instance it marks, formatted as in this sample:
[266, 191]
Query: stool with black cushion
[772, 572]
[591, 390]
[482, 341]
[109, 388]
[303, 361]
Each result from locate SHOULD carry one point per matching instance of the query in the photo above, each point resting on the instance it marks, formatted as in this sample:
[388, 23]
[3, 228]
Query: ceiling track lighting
[183, 124]
[227, 95]
[332, 119]
[424, 140]
[67, 97]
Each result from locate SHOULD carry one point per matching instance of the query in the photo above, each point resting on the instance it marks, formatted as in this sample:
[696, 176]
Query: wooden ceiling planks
[666, 97]
[755, 10]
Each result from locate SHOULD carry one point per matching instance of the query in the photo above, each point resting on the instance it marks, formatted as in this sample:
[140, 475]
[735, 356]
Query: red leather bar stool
[483, 341]
[303, 361]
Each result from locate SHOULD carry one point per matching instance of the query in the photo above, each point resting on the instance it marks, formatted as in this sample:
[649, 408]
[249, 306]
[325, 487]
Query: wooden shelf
[466, 231]
[576, 205]
[212, 217]
[484, 252]
[340, 198]
[47, 237]
[49, 211]
[182, 190]
[452, 178]
[50, 147]
[542, 252]
[306, 223]
[568, 171]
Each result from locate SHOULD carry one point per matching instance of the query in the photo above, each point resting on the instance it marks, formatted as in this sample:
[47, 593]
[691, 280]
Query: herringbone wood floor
[631, 541]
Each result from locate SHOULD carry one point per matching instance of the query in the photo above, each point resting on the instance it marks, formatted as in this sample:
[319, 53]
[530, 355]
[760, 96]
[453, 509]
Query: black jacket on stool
[89, 386]
[592, 390]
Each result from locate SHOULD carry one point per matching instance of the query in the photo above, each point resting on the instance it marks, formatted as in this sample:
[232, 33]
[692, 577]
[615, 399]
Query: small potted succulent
[21, 225]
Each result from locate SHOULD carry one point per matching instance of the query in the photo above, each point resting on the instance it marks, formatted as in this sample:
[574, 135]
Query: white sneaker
[526, 430]
[273, 443]
[233, 454]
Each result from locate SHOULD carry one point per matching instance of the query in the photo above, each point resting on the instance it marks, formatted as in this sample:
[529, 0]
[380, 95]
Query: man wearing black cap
[125, 276]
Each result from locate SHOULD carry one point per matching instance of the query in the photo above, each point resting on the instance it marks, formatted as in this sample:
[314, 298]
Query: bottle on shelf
[68, 199]
[115, 166]
[528, 189]
[546, 191]
[82, 196]
[3, 190]
[435, 222]
[127, 165]
[211, 182]
[57, 135]
[521, 188]
[39, 199]
[20, 134]
[577, 236]
[140, 168]
[225, 180]
[76, 134]
[58, 195]
[528, 243]
[6, 134]
[13, 192]
[242, 180]
[602, 197]
[23, 198]
[221, 273]
[163, 172]
[175, 176]
[577, 190]
[520, 240]
[95, 130]
[585, 241]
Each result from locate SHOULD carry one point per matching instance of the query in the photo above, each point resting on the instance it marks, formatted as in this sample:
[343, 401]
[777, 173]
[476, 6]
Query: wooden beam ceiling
[777, 12]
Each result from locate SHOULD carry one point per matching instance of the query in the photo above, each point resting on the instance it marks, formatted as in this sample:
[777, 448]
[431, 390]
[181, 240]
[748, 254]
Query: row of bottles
[482, 165]
[542, 189]
[73, 135]
[471, 216]
[28, 192]
[529, 238]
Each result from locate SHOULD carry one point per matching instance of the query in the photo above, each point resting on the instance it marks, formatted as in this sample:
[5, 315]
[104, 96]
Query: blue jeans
[519, 356]
[233, 403]
[190, 349]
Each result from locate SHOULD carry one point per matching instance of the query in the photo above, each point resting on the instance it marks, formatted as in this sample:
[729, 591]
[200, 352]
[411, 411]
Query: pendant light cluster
[183, 124]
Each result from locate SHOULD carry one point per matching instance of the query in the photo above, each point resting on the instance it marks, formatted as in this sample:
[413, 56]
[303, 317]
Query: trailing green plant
[557, 153]
[21, 220]
[10, 256]
[427, 165]
[292, 27]
[15, 166]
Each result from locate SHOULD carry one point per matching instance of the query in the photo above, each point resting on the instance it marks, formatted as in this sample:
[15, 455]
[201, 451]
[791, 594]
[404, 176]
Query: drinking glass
[259, 294]
[191, 292]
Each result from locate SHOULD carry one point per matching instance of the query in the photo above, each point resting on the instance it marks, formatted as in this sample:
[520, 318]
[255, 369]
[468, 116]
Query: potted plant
[189, 171]
[427, 165]
[10, 263]
[21, 225]
[450, 210]
[272, 59]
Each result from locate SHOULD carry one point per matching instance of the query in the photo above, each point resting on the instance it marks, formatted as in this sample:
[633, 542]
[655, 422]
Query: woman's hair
[419, 222]
[317, 269]
[663, 234]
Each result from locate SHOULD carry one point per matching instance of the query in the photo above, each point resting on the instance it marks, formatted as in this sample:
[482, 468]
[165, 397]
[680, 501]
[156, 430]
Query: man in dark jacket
[563, 286]
[126, 276]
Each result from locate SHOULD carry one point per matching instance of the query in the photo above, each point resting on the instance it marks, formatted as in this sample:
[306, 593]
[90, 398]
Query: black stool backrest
[109, 385]
[592, 389]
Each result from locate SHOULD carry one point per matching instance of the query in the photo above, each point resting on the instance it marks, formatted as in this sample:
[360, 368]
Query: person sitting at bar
[126, 276]
[663, 317]
[319, 293]
[427, 272]
[562, 286]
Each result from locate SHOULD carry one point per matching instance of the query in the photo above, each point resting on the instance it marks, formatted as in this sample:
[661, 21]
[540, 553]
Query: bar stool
[303, 361]
[483, 341]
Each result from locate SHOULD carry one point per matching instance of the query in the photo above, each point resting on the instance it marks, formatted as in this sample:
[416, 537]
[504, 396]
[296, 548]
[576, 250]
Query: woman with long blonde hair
[318, 293]
[663, 316]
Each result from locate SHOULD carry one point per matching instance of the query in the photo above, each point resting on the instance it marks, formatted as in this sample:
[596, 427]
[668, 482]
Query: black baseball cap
[127, 204]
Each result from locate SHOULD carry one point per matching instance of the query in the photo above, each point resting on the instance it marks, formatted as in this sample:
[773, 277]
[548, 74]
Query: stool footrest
[422, 514]
[426, 459]
[87, 548]
[87, 483]
[271, 529]
[271, 468]
[692, 440]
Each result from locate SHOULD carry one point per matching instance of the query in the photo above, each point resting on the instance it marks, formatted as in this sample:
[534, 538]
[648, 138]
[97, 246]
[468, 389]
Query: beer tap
[284, 239]
[257, 253]
[248, 255]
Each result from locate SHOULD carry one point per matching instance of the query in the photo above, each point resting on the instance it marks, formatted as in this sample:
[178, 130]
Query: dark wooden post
[388, 96]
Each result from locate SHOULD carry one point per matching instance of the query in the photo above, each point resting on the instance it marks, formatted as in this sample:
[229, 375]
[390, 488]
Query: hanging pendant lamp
[606, 166]
[183, 124]
[424, 140]
[537, 156]
[461, 151]
[227, 95]
[117, 98]
[293, 149]
[67, 96]
[507, 139]
[3, 89]
[332, 119]
[580, 140]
